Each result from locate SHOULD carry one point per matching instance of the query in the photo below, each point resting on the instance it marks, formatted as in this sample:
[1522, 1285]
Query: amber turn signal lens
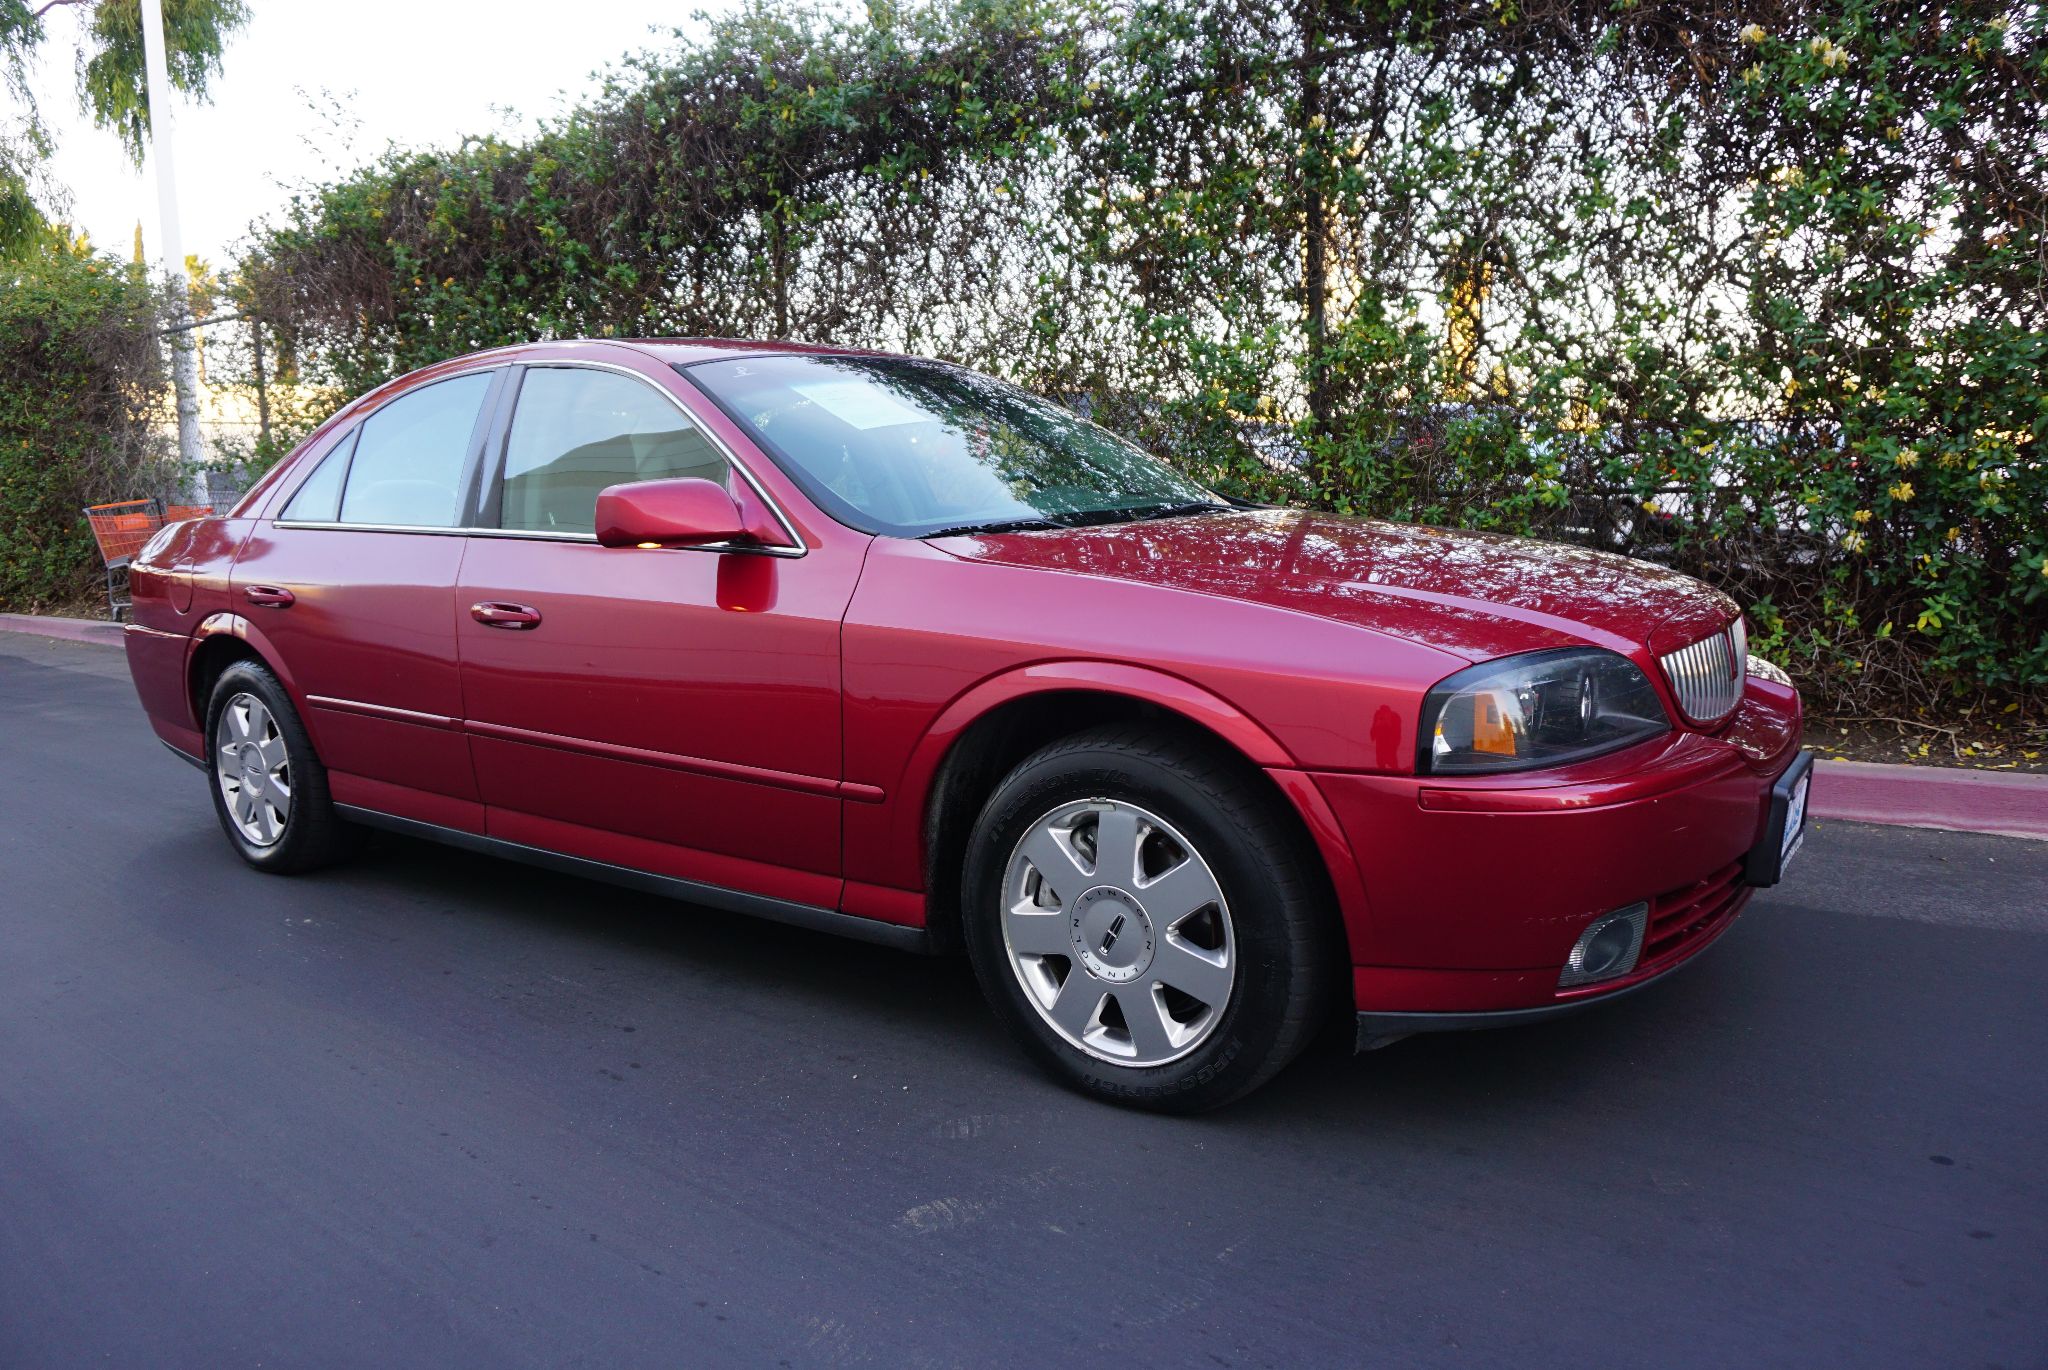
[1492, 730]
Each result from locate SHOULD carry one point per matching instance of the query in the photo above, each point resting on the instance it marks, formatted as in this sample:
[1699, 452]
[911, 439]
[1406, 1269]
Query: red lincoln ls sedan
[882, 646]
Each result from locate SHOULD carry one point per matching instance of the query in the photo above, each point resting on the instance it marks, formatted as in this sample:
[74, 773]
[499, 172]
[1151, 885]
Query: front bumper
[1376, 1030]
[1474, 890]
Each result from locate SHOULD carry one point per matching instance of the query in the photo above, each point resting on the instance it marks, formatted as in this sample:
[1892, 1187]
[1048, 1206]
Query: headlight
[1540, 709]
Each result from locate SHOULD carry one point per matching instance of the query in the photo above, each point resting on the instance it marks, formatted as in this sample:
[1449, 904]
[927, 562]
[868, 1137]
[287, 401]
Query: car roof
[682, 351]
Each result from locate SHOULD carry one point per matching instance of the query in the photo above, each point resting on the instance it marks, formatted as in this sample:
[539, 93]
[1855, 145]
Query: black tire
[312, 834]
[1287, 944]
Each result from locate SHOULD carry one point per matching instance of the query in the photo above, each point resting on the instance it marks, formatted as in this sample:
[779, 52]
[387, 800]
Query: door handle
[270, 596]
[495, 615]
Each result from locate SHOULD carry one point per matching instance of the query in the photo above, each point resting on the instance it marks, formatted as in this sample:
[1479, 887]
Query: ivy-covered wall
[1757, 290]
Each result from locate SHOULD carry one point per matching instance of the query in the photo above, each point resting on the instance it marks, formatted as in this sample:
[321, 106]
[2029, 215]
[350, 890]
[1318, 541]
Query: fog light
[1607, 948]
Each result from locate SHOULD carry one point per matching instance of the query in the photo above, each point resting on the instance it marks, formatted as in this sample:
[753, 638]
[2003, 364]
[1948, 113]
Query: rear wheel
[1144, 920]
[269, 789]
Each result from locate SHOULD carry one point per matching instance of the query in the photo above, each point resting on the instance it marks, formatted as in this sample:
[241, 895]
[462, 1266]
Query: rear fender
[236, 626]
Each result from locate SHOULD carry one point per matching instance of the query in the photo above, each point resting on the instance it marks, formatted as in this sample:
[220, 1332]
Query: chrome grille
[1707, 676]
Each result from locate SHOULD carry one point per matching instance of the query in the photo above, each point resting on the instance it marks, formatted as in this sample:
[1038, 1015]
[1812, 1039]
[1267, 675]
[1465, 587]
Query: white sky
[312, 87]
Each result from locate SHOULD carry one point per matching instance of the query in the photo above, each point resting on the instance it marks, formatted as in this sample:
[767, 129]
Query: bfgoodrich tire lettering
[1145, 921]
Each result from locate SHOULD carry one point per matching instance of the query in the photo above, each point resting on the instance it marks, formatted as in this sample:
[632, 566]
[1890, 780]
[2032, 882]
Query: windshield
[915, 448]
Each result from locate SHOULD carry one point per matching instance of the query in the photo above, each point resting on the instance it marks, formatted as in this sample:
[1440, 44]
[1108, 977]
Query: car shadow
[931, 1007]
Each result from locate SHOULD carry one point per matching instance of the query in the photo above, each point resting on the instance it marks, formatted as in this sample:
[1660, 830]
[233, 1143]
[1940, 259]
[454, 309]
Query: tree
[113, 90]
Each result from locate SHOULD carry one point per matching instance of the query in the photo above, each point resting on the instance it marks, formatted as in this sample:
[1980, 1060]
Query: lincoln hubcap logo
[1111, 935]
[1116, 930]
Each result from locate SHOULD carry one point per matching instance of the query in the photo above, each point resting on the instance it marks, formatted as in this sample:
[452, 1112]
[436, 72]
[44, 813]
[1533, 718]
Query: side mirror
[685, 512]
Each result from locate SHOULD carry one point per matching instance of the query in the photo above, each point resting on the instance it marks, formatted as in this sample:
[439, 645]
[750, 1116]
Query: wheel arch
[987, 731]
[218, 643]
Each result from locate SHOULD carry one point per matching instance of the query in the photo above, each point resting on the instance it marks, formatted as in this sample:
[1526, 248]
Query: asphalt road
[436, 1110]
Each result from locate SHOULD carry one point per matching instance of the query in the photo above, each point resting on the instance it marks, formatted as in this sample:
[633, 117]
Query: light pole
[184, 356]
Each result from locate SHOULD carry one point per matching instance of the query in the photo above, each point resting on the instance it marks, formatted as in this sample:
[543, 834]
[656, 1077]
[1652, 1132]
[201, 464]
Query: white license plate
[1795, 820]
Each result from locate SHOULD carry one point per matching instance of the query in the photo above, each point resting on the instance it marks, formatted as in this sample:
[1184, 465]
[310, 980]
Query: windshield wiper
[999, 526]
[1173, 511]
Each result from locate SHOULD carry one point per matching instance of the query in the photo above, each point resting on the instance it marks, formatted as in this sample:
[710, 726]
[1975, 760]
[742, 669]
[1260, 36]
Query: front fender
[1168, 691]
[908, 795]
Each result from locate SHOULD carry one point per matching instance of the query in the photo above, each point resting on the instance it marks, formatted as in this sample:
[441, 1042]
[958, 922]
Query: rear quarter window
[318, 499]
[410, 454]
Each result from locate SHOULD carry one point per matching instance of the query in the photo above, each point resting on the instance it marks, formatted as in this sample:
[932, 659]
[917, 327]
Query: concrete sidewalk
[2004, 802]
[68, 629]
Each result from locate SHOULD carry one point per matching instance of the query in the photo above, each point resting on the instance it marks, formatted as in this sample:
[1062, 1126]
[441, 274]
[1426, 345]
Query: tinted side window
[319, 499]
[409, 456]
[577, 431]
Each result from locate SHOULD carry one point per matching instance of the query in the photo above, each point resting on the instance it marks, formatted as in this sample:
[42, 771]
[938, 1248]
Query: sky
[311, 88]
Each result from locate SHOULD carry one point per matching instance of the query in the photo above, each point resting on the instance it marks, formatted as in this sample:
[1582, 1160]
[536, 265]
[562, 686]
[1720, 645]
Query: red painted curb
[69, 629]
[2002, 802]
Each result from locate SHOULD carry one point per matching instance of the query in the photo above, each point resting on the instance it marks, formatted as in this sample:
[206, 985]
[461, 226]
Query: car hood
[1474, 595]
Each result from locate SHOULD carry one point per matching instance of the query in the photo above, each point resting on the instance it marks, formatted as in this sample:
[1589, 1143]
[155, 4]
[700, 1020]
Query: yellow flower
[1954, 534]
[1855, 542]
[1831, 56]
[1752, 74]
[1861, 516]
[1752, 34]
[1902, 491]
[1907, 459]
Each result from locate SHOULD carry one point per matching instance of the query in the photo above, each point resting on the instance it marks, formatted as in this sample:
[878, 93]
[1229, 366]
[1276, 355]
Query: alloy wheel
[253, 769]
[1118, 931]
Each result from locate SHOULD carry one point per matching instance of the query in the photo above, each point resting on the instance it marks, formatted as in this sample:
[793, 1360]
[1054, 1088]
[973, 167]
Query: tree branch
[53, 4]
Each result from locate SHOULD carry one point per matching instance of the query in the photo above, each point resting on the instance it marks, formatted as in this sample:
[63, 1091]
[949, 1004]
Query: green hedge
[1758, 291]
[81, 396]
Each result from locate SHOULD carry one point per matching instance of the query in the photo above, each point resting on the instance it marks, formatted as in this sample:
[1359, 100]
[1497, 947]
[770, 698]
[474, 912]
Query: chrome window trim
[337, 527]
[537, 535]
[796, 548]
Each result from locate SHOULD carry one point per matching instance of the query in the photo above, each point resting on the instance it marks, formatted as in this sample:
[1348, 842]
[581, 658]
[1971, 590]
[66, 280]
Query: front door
[672, 710]
[352, 586]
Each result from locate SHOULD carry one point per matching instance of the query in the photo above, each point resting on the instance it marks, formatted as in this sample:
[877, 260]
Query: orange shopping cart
[120, 529]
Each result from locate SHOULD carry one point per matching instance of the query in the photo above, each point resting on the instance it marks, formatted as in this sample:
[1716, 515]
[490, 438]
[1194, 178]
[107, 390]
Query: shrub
[82, 403]
[1758, 291]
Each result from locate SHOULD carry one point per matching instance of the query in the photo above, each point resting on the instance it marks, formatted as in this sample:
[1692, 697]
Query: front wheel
[269, 789]
[1145, 920]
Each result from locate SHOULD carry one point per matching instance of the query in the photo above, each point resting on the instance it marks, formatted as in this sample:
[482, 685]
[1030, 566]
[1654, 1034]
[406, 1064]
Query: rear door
[352, 587]
[668, 709]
